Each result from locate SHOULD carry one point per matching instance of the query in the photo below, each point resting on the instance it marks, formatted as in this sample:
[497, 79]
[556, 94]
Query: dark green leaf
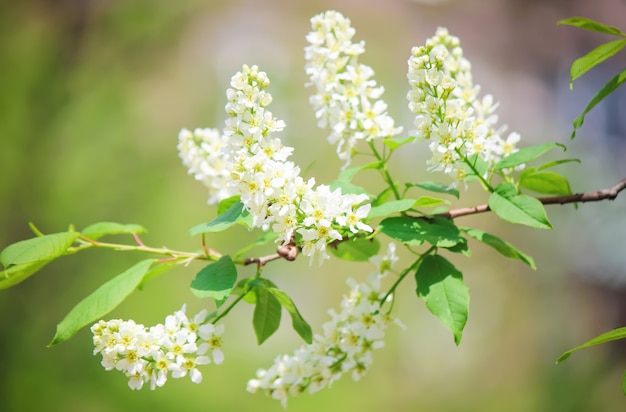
[592, 25]
[102, 301]
[356, 250]
[38, 249]
[438, 232]
[100, 229]
[234, 214]
[441, 287]
[525, 155]
[18, 273]
[587, 62]
[516, 208]
[266, 317]
[503, 247]
[391, 207]
[607, 89]
[215, 280]
[615, 334]
[297, 321]
[545, 182]
[436, 187]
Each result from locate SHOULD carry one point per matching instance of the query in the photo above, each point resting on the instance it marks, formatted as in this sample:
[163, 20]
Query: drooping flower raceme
[347, 99]
[200, 152]
[270, 187]
[449, 113]
[344, 347]
[149, 355]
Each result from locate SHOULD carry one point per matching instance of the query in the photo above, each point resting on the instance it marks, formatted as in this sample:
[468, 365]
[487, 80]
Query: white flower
[344, 87]
[148, 355]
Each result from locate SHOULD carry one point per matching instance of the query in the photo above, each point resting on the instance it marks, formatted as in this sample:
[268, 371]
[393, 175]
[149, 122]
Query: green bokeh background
[92, 96]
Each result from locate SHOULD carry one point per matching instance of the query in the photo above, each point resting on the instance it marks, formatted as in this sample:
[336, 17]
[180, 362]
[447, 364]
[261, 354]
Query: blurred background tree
[93, 95]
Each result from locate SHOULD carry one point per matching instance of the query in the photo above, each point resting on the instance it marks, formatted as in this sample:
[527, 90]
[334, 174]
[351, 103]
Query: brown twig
[603, 194]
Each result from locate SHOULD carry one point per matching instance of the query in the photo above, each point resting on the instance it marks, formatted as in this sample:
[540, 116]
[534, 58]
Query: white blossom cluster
[448, 112]
[149, 355]
[347, 99]
[200, 151]
[344, 347]
[270, 187]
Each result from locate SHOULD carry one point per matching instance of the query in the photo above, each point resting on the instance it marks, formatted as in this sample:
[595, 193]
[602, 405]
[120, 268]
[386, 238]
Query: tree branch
[603, 194]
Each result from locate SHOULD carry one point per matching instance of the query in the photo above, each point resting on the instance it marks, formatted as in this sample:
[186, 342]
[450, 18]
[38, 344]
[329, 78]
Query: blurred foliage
[92, 97]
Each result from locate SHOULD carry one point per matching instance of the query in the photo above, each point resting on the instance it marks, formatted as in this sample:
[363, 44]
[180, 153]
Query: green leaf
[615, 334]
[545, 182]
[436, 187]
[587, 62]
[18, 273]
[346, 175]
[101, 301]
[356, 250]
[100, 229]
[266, 317]
[427, 201]
[397, 141]
[234, 214]
[592, 25]
[441, 287]
[262, 240]
[382, 197]
[297, 321]
[525, 155]
[438, 232]
[215, 280]
[480, 168]
[155, 271]
[501, 246]
[227, 203]
[38, 249]
[556, 163]
[607, 89]
[516, 208]
[347, 187]
[391, 207]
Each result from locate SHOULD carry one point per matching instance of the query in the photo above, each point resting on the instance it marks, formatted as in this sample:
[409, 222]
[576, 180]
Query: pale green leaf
[587, 62]
[591, 25]
[525, 155]
[501, 246]
[38, 249]
[103, 300]
[391, 207]
[356, 250]
[100, 229]
[18, 273]
[615, 334]
[516, 208]
[545, 182]
[234, 214]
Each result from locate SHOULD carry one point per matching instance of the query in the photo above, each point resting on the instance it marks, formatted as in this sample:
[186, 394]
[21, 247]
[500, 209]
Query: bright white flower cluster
[345, 346]
[270, 187]
[200, 151]
[347, 99]
[148, 355]
[448, 111]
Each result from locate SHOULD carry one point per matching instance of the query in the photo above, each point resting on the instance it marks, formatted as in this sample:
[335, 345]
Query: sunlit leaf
[516, 208]
[441, 287]
[356, 250]
[436, 187]
[391, 207]
[545, 182]
[100, 229]
[38, 249]
[525, 155]
[18, 273]
[501, 246]
[234, 214]
[346, 175]
[592, 25]
[606, 90]
[103, 300]
[587, 62]
[615, 334]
